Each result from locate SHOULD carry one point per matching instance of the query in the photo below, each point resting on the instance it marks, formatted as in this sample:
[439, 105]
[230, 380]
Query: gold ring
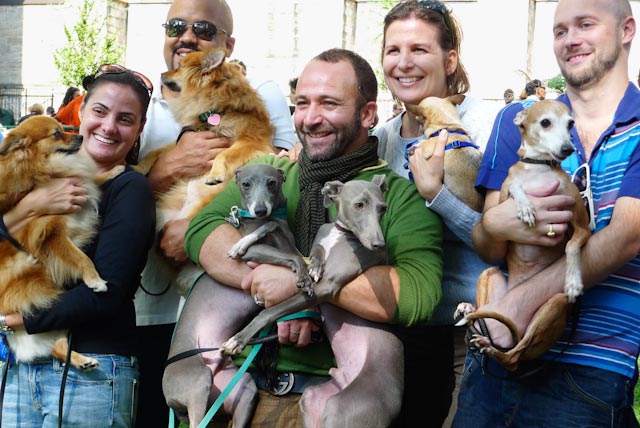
[551, 233]
[295, 332]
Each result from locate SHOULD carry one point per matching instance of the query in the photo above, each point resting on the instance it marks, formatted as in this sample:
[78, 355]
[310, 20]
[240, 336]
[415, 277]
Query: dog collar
[212, 117]
[455, 144]
[237, 213]
[552, 163]
[460, 144]
[455, 131]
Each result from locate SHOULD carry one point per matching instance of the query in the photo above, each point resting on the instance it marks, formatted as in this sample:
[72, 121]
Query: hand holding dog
[502, 223]
[172, 240]
[428, 174]
[191, 157]
[274, 284]
[58, 196]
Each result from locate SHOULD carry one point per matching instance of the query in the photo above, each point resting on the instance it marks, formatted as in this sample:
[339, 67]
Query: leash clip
[233, 217]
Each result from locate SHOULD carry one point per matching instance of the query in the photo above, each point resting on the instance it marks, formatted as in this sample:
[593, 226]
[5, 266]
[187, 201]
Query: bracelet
[4, 328]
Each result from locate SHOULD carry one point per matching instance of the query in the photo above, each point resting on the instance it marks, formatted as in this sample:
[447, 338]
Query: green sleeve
[414, 237]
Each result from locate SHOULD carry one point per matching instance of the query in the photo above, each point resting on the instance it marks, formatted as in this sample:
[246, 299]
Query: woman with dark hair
[72, 92]
[420, 59]
[101, 325]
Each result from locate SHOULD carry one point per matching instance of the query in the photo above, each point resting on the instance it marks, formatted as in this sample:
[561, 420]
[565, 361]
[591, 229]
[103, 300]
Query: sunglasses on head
[582, 179]
[435, 6]
[118, 69]
[204, 30]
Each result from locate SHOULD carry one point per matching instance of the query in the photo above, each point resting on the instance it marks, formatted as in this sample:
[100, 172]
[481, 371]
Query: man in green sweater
[335, 107]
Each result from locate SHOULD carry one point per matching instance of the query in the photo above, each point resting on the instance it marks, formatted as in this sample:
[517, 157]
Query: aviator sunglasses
[204, 30]
[118, 69]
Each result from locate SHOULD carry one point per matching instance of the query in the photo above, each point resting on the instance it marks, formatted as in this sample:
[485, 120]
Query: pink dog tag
[214, 119]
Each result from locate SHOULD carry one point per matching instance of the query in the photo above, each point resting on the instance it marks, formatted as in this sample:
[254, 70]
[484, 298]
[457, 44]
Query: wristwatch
[4, 328]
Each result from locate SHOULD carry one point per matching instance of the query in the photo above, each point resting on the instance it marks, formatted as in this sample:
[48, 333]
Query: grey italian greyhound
[365, 389]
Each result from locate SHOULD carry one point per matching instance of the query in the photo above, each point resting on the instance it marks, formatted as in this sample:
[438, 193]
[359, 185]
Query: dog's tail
[470, 318]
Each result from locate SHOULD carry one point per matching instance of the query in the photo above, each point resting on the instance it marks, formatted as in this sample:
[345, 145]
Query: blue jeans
[556, 395]
[102, 397]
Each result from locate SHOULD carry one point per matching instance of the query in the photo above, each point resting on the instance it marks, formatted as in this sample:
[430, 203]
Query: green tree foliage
[88, 44]
[557, 83]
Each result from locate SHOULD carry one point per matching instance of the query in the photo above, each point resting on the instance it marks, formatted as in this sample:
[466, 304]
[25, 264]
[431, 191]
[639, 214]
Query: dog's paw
[482, 343]
[218, 172]
[305, 283]
[89, 364]
[462, 311]
[231, 347]
[237, 251]
[573, 289]
[98, 285]
[527, 214]
[316, 269]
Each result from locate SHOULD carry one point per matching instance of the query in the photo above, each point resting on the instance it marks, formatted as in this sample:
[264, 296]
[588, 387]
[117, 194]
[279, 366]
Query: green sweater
[413, 236]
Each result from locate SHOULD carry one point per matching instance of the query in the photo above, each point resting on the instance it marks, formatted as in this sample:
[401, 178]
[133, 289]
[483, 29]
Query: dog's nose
[567, 149]
[261, 212]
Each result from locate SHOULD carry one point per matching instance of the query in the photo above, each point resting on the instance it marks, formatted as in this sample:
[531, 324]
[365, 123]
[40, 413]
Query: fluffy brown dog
[33, 153]
[546, 141]
[462, 158]
[213, 95]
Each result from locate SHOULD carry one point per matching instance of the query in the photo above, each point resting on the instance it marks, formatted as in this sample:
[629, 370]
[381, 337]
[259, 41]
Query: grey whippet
[366, 388]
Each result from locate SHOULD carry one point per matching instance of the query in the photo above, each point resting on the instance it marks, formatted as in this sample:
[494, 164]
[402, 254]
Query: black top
[105, 322]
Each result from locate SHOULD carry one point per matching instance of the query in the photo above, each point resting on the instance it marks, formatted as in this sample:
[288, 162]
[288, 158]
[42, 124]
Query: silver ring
[258, 302]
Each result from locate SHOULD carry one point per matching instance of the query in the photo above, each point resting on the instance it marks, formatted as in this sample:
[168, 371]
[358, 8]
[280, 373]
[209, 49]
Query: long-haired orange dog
[212, 95]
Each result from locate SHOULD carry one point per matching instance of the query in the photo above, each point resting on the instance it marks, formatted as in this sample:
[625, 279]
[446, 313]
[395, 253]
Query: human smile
[576, 58]
[408, 79]
[104, 140]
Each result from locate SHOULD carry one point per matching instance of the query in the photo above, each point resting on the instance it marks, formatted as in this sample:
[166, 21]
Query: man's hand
[503, 224]
[191, 157]
[273, 284]
[270, 284]
[172, 240]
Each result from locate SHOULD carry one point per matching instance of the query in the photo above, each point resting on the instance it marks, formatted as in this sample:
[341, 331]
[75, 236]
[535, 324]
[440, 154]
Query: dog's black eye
[570, 125]
[271, 184]
[57, 133]
[359, 205]
[245, 184]
[545, 123]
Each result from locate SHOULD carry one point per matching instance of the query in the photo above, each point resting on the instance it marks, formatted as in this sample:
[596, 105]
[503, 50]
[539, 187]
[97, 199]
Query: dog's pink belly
[353, 341]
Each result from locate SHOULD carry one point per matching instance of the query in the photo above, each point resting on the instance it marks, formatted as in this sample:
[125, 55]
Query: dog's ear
[456, 100]
[380, 180]
[282, 174]
[238, 171]
[11, 142]
[213, 59]
[520, 118]
[331, 190]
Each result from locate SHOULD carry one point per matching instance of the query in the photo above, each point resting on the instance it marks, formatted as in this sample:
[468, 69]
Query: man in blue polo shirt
[587, 378]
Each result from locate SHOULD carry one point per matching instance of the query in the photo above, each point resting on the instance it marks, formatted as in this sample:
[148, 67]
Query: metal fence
[17, 99]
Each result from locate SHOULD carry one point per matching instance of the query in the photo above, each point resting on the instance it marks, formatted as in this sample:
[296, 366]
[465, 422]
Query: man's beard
[601, 66]
[344, 137]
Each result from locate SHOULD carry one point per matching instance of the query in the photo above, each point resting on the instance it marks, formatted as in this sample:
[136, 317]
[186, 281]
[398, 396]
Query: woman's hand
[58, 196]
[428, 174]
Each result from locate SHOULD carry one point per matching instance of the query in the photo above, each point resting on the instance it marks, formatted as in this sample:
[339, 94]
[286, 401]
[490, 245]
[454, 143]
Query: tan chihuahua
[462, 158]
[546, 141]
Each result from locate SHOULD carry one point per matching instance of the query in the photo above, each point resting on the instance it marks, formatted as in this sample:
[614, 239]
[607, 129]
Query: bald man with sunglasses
[191, 25]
